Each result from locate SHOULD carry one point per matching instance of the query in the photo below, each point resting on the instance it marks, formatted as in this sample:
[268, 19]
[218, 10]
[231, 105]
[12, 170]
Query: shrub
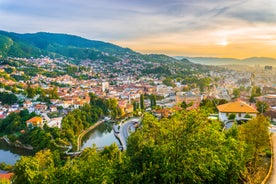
[232, 116]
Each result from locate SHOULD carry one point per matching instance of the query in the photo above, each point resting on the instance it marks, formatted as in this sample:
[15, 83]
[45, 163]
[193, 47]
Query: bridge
[76, 153]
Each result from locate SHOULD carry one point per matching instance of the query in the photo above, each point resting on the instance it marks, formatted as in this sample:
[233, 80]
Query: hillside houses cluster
[126, 85]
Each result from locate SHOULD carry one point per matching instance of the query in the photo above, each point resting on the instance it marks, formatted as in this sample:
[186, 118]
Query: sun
[223, 43]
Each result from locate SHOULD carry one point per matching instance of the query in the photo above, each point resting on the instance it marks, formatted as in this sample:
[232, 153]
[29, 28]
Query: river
[10, 155]
[101, 136]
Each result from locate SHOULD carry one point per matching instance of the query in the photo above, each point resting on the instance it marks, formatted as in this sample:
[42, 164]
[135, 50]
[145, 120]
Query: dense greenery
[15, 122]
[80, 119]
[152, 101]
[262, 107]
[186, 148]
[7, 98]
[142, 101]
[194, 81]
[40, 139]
[169, 82]
[14, 125]
[210, 105]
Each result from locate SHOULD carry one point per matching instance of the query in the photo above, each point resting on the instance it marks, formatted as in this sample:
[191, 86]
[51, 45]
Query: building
[55, 122]
[35, 122]
[6, 177]
[270, 99]
[239, 108]
[268, 68]
[105, 86]
[188, 97]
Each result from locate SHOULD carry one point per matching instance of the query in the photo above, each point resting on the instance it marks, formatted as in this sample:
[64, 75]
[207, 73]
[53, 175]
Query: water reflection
[10, 155]
[101, 136]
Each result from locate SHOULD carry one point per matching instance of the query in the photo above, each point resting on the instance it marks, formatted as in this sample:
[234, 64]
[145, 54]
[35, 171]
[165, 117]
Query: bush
[247, 116]
[232, 116]
[268, 152]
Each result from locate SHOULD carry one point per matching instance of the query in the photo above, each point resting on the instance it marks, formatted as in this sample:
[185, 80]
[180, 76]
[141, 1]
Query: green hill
[49, 44]
[78, 49]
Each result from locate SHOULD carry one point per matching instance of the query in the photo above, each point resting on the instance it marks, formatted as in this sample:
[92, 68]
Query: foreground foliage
[185, 148]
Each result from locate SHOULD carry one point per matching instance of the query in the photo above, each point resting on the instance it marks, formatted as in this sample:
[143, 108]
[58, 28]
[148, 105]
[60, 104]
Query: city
[137, 92]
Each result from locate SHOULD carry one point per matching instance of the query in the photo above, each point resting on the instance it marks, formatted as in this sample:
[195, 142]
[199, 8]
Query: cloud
[143, 23]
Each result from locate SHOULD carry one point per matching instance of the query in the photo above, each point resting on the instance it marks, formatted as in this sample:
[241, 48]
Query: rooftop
[237, 106]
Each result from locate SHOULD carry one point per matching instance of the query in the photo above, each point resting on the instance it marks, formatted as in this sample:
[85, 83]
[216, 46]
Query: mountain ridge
[230, 61]
[71, 46]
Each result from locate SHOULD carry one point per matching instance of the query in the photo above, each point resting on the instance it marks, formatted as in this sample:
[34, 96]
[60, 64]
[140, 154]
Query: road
[272, 179]
[124, 131]
[273, 129]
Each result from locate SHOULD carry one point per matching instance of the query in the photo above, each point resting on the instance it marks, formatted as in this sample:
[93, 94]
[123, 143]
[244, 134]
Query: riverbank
[17, 144]
[121, 131]
[85, 132]
[10, 154]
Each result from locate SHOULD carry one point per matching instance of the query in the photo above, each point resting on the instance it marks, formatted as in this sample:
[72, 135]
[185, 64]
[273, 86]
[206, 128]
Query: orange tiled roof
[237, 106]
[6, 176]
[35, 119]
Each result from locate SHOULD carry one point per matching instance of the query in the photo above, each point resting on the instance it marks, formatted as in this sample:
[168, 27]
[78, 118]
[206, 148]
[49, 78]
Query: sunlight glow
[223, 43]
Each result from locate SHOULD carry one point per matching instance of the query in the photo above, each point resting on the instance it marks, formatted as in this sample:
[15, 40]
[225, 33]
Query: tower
[105, 86]
[252, 79]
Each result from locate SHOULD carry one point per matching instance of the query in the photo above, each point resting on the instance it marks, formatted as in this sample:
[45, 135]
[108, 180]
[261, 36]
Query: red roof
[6, 176]
[237, 106]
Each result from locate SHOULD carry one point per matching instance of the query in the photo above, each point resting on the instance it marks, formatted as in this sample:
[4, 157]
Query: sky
[213, 28]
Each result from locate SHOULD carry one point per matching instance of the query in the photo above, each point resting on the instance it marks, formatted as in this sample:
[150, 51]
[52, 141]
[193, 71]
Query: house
[35, 122]
[40, 108]
[53, 108]
[271, 114]
[5, 177]
[239, 108]
[55, 122]
[27, 104]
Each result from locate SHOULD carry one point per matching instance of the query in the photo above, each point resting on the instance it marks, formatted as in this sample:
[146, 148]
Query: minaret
[252, 79]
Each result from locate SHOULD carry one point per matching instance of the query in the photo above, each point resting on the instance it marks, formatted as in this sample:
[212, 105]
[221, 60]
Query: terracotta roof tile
[6, 176]
[237, 106]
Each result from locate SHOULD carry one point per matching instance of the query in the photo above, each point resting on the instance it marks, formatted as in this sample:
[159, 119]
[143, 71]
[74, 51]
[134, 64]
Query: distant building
[105, 86]
[270, 99]
[268, 67]
[188, 97]
[239, 108]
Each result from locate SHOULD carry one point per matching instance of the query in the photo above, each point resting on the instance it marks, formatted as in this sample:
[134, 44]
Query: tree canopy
[185, 148]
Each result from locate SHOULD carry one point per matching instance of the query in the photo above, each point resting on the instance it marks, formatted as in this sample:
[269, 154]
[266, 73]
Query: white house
[239, 108]
[55, 122]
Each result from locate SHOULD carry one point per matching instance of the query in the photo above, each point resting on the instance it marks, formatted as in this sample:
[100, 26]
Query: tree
[255, 91]
[53, 94]
[262, 106]
[171, 150]
[136, 106]
[236, 92]
[30, 91]
[8, 98]
[142, 103]
[152, 101]
[168, 82]
[255, 134]
[203, 83]
[35, 170]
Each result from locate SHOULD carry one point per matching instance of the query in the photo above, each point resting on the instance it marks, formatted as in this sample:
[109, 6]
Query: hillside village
[125, 86]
